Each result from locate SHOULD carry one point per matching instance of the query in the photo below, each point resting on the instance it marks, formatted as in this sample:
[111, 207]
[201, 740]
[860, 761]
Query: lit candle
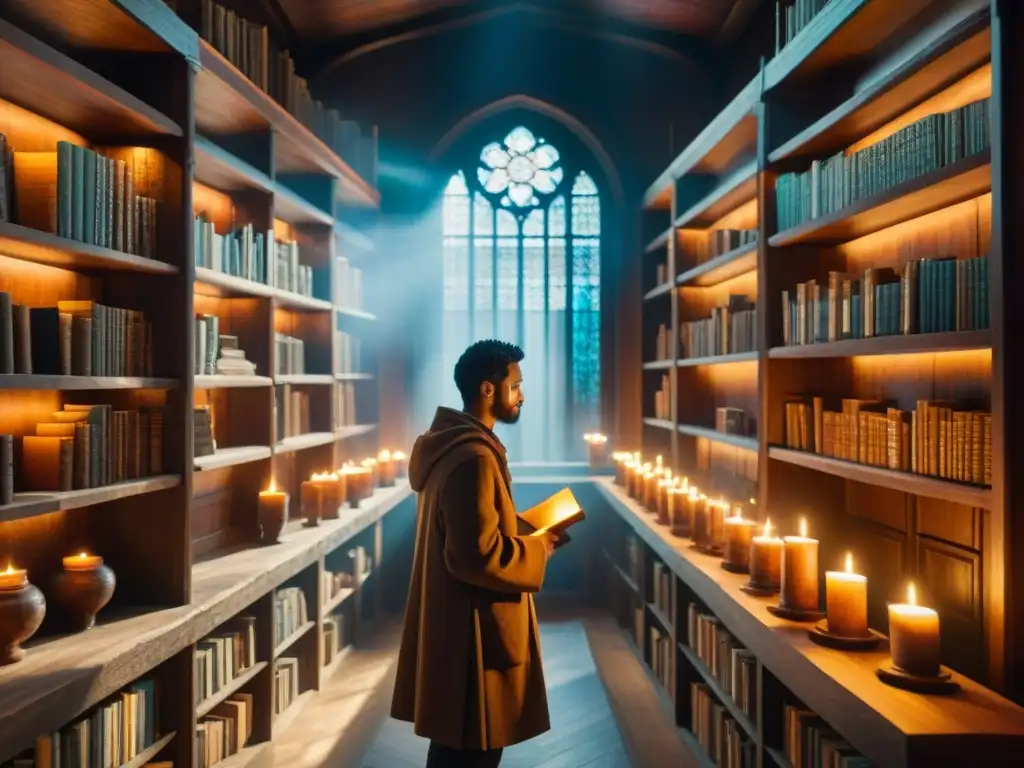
[82, 562]
[621, 460]
[716, 527]
[310, 497]
[13, 578]
[679, 510]
[766, 559]
[694, 504]
[371, 465]
[846, 601]
[649, 495]
[914, 637]
[800, 571]
[401, 463]
[661, 507]
[385, 469]
[597, 447]
[360, 483]
[738, 534]
[273, 512]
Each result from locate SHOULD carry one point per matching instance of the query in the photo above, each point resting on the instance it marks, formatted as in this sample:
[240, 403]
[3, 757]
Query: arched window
[522, 247]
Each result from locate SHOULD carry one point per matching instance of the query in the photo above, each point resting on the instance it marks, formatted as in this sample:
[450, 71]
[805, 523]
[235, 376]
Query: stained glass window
[531, 247]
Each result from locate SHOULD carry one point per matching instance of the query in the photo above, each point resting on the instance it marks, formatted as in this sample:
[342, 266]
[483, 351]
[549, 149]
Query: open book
[556, 513]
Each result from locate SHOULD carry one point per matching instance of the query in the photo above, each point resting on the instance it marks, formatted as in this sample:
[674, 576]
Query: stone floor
[605, 712]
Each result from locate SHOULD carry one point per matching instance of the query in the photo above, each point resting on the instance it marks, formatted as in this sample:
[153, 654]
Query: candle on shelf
[371, 465]
[401, 463]
[717, 513]
[766, 560]
[621, 461]
[272, 513]
[649, 495]
[699, 521]
[661, 507]
[13, 578]
[360, 483]
[679, 510]
[914, 637]
[738, 534]
[597, 447]
[82, 562]
[332, 493]
[800, 572]
[310, 497]
[846, 602]
[385, 469]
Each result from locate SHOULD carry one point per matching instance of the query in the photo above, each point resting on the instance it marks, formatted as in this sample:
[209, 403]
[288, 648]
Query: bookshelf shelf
[225, 381]
[919, 485]
[239, 682]
[52, 250]
[738, 357]
[232, 457]
[39, 503]
[354, 377]
[659, 365]
[658, 423]
[955, 341]
[659, 242]
[912, 199]
[284, 721]
[30, 381]
[138, 26]
[841, 687]
[293, 638]
[211, 282]
[660, 290]
[738, 441]
[717, 270]
[146, 756]
[304, 442]
[355, 430]
[734, 190]
[218, 168]
[356, 314]
[228, 102]
[659, 615]
[300, 303]
[331, 605]
[304, 378]
[48, 83]
[954, 55]
[288, 206]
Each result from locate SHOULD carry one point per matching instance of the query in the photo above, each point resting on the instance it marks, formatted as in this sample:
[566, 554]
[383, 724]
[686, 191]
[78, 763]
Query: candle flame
[767, 527]
[10, 569]
[694, 495]
[82, 555]
[398, 455]
[911, 594]
[737, 512]
[753, 501]
[849, 562]
[385, 455]
[803, 527]
[272, 488]
[658, 459]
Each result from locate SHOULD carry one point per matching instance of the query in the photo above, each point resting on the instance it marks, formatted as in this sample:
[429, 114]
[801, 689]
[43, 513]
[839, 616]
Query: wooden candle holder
[820, 634]
[21, 612]
[81, 594]
[941, 684]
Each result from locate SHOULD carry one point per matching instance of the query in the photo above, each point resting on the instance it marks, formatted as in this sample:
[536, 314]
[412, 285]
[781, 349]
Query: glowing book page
[556, 513]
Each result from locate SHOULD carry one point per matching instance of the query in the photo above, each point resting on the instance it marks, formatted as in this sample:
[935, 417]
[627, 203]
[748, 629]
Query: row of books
[241, 252]
[720, 241]
[928, 296]
[933, 142]
[74, 338]
[345, 413]
[634, 559]
[206, 343]
[334, 637]
[247, 45]
[348, 285]
[91, 446]
[290, 612]
[90, 195]
[730, 330]
[664, 348]
[225, 730]
[718, 733]
[809, 742]
[734, 421]
[289, 273]
[935, 438]
[660, 274]
[292, 409]
[224, 655]
[791, 16]
[111, 734]
[663, 399]
[347, 353]
[661, 593]
[660, 650]
[333, 583]
[289, 355]
[286, 683]
[732, 665]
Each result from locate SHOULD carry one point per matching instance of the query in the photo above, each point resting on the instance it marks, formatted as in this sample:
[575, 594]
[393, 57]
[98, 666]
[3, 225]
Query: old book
[6, 469]
[6, 333]
[557, 514]
[47, 463]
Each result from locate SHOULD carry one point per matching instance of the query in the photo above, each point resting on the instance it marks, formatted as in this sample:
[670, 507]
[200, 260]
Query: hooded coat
[469, 667]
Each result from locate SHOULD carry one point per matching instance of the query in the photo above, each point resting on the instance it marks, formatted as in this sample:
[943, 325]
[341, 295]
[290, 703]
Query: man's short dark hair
[486, 360]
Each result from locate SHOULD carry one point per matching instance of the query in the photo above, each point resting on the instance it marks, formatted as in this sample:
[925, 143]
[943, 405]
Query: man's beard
[506, 415]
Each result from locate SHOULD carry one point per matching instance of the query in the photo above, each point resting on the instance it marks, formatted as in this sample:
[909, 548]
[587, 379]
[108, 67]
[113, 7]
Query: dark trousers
[440, 756]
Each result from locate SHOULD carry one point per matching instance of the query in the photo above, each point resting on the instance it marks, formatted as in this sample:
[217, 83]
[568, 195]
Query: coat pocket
[504, 631]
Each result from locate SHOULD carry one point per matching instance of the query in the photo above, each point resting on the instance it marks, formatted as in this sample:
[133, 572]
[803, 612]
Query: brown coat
[469, 669]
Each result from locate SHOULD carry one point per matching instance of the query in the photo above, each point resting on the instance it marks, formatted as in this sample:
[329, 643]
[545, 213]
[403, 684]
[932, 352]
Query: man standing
[469, 668]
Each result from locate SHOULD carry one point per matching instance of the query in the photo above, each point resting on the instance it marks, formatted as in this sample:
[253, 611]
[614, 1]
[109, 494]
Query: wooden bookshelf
[185, 541]
[857, 74]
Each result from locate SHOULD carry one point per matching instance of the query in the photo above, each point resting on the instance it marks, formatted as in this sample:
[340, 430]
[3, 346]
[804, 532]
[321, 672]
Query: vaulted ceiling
[327, 29]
